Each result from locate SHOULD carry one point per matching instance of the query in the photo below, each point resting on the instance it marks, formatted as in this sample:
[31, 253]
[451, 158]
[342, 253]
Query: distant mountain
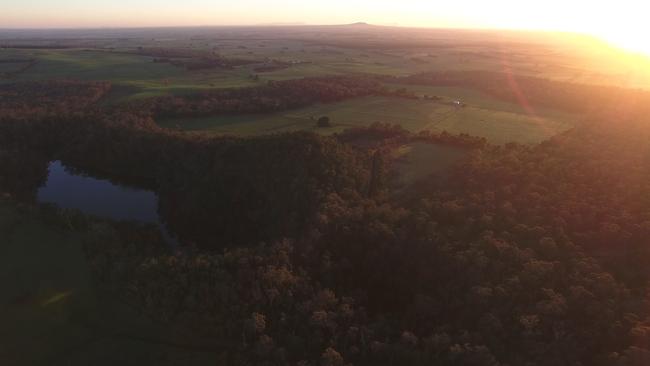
[281, 24]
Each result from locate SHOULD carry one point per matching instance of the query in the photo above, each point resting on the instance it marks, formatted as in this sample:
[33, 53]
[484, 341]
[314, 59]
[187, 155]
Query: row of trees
[274, 96]
[38, 100]
[202, 63]
[381, 135]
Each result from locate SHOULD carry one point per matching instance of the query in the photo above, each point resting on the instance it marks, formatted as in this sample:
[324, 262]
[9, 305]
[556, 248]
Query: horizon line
[296, 24]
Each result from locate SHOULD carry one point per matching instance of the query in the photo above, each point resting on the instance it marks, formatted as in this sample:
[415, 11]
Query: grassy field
[153, 79]
[52, 315]
[314, 52]
[11, 66]
[339, 51]
[143, 77]
[136, 76]
[91, 65]
[483, 116]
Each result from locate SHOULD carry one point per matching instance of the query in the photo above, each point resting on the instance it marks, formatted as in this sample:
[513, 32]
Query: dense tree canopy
[295, 252]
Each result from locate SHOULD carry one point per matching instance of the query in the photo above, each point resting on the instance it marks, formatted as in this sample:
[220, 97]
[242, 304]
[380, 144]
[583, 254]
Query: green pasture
[137, 76]
[11, 66]
[91, 65]
[142, 77]
[148, 79]
[483, 116]
[106, 59]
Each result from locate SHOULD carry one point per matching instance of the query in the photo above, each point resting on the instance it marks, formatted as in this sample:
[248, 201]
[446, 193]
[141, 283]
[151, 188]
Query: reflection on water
[99, 197]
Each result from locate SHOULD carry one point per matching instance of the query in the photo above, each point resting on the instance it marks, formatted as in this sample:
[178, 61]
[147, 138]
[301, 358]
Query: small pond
[99, 197]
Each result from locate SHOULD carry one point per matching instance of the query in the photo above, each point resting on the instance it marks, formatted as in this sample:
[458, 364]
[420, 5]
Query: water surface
[98, 197]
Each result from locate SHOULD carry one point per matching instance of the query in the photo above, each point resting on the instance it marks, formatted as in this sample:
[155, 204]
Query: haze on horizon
[622, 22]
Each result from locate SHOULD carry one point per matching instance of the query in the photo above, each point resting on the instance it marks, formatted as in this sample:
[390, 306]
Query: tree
[324, 122]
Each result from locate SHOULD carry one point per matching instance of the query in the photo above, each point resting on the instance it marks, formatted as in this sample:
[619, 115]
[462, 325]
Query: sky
[621, 20]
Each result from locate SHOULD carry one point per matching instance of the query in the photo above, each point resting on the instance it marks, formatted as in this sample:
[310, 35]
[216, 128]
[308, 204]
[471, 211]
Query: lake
[99, 197]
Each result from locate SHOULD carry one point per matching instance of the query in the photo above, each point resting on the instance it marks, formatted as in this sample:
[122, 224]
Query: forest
[296, 250]
[522, 255]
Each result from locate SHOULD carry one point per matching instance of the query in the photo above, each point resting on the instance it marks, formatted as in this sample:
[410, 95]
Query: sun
[632, 41]
[625, 25]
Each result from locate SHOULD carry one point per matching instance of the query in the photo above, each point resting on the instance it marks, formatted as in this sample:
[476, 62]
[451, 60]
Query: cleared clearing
[482, 116]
